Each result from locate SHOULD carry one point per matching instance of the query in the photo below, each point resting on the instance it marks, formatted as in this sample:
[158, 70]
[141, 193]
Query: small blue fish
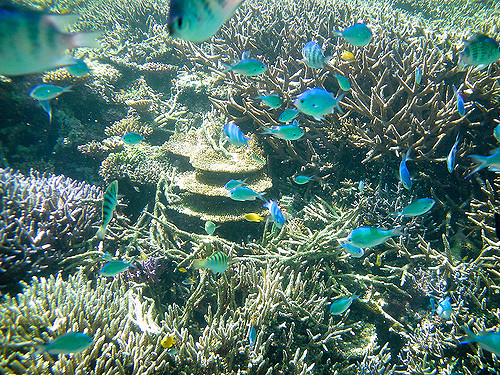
[496, 132]
[418, 75]
[489, 341]
[444, 309]
[217, 263]
[115, 267]
[289, 114]
[276, 214]
[318, 102]
[47, 92]
[198, 20]
[312, 56]
[247, 67]
[210, 227]
[188, 282]
[492, 162]
[417, 207]
[132, 138]
[353, 251]
[231, 184]
[234, 135]
[450, 160]
[358, 34]
[343, 82]
[71, 342]
[243, 193]
[47, 108]
[404, 174]
[290, 132]
[340, 305]
[252, 336]
[361, 186]
[109, 202]
[301, 180]
[364, 237]
[78, 69]
[460, 102]
[273, 101]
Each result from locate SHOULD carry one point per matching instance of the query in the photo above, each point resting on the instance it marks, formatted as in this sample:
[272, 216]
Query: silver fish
[198, 20]
[34, 42]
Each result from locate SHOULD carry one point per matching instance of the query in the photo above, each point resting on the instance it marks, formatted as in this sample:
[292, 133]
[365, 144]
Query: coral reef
[279, 282]
[45, 218]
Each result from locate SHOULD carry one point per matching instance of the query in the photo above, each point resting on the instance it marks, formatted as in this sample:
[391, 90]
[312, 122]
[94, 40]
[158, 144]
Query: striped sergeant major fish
[109, 202]
[198, 20]
[217, 263]
[34, 42]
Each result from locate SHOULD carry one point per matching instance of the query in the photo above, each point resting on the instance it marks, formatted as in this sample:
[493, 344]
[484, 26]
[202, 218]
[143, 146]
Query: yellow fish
[167, 342]
[347, 56]
[182, 269]
[378, 262]
[253, 217]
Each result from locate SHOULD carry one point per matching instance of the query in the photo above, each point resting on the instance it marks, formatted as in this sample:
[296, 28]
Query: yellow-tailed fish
[167, 342]
[253, 217]
[189, 281]
[109, 202]
[182, 269]
[217, 263]
[348, 56]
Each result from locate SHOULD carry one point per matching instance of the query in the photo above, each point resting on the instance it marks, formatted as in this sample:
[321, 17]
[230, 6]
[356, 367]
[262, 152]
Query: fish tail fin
[481, 162]
[337, 102]
[397, 231]
[258, 97]
[67, 88]
[327, 59]
[471, 337]
[396, 214]
[266, 130]
[85, 39]
[260, 196]
[39, 349]
[338, 33]
[101, 233]
[227, 67]
[199, 263]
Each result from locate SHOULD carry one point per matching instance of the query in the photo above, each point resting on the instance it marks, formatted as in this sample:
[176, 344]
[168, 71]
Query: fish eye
[302, 100]
[178, 21]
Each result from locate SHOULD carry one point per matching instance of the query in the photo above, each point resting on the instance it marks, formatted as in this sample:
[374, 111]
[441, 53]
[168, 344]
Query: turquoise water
[200, 283]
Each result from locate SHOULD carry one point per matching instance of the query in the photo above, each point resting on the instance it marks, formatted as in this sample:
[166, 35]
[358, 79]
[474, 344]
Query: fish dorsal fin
[62, 22]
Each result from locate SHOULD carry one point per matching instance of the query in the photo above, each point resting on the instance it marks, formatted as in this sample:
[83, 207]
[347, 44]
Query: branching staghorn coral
[44, 218]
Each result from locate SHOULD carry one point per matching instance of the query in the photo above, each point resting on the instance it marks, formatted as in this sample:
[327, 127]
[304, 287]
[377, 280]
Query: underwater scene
[254, 187]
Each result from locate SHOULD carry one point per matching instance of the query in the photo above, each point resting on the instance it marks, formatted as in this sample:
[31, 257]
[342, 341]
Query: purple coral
[42, 218]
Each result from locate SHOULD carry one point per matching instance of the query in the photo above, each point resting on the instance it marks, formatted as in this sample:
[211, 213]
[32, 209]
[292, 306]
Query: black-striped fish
[109, 202]
[198, 20]
[33, 42]
[480, 50]
[217, 263]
